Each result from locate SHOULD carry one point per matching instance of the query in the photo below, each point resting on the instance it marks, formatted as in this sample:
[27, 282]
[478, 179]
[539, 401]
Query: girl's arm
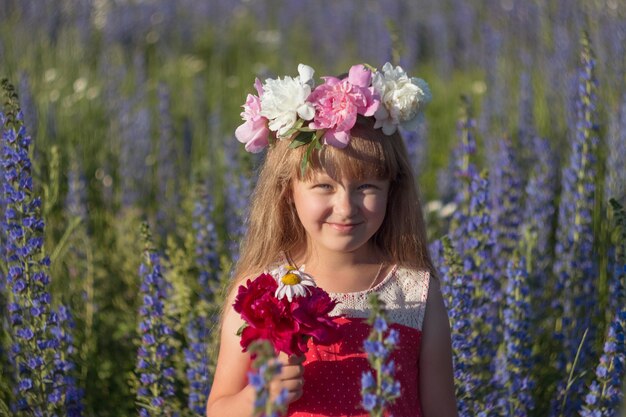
[436, 373]
[231, 395]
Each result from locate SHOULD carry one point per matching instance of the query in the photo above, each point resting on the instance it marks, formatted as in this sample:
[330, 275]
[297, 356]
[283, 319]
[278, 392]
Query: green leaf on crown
[296, 128]
[314, 143]
[301, 139]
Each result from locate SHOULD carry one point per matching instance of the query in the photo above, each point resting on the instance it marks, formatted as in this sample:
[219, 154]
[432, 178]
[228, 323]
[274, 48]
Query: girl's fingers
[290, 378]
[295, 360]
[292, 385]
[290, 360]
[291, 371]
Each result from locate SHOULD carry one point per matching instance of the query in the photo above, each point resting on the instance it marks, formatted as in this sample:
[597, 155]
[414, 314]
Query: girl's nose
[344, 204]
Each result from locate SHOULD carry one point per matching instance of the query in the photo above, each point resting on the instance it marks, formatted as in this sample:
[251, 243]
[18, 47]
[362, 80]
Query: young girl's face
[340, 214]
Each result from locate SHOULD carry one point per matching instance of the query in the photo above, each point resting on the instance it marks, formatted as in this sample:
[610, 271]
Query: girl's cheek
[375, 203]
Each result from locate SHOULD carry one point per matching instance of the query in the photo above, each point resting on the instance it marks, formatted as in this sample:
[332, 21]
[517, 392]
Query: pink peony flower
[337, 103]
[254, 132]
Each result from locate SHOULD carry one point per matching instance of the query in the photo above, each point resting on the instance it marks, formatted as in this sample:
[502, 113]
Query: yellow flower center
[290, 279]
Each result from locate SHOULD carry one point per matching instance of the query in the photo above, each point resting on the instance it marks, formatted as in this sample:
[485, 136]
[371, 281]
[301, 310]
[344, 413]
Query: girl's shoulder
[404, 291]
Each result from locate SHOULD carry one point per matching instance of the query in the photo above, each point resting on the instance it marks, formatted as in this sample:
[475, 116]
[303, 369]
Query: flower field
[123, 191]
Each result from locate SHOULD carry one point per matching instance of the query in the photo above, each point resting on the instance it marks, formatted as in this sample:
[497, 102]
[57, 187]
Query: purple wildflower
[65, 382]
[207, 256]
[76, 197]
[506, 187]
[517, 331]
[28, 105]
[135, 141]
[493, 111]
[575, 292]
[415, 142]
[237, 198]
[379, 389]
[460, 289]
[539, 216]
[463, 167]
[526, 130]
[154, 369]
[197, 360]
[605, 392]
[40, 377]
[265, 368]
[473, 298]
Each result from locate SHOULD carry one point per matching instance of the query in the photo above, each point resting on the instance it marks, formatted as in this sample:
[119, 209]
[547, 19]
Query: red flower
[287, 325]
[312, 314]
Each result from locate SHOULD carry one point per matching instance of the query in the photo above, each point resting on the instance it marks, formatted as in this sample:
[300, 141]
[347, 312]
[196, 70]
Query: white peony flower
[284, 100]
[402, 99]
[292, 282]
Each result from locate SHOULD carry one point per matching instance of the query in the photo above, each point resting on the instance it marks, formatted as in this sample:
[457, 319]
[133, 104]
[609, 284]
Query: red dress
[332, 374]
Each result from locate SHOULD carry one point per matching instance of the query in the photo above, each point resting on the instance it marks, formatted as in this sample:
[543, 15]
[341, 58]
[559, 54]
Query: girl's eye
[367, 186]
[323, 186]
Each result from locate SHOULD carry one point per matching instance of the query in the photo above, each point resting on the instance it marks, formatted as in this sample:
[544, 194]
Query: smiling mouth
[343, 227]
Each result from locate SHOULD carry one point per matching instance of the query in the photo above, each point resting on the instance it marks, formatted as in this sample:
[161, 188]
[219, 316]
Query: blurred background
[132, 106]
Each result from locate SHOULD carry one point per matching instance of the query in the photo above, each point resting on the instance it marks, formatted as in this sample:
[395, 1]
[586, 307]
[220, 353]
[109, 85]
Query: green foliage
[94, 260]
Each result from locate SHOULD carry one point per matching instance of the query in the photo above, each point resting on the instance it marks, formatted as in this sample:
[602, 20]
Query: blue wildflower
[265, 368]
[154, 367]
[370, 401]
[575, 297]
[134, 141]
[76, 198]
[197, 360]
[200, 325]
[506, 195]
[367, 380]
[380, 324]
[35, 327]
[415, 141]
[605, 392]
[237, 201]
[380, 391]
[207, 255]
[474, 293]
[539, 211]
[517, 330]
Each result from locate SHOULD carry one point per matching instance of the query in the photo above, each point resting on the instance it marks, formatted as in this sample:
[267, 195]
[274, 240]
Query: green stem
[570, 379]
[379, 379]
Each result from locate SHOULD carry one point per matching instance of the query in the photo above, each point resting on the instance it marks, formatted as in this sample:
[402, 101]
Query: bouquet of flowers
[286, 309]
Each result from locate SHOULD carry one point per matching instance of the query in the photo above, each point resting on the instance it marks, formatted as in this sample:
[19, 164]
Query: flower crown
[293, 109]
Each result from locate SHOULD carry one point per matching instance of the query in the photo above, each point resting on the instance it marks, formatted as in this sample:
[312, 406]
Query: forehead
[344, 165]
[323, 176]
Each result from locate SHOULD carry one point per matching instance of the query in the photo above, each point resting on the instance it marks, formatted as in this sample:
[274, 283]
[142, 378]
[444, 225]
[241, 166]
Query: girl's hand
[291, 378]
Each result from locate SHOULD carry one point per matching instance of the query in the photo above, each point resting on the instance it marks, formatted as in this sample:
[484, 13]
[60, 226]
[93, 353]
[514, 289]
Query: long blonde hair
[274, 228]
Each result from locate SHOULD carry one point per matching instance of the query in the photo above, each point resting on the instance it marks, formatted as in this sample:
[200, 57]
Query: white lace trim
[404, 292]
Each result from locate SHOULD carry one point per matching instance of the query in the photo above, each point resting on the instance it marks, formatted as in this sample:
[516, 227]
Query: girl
[351, 220]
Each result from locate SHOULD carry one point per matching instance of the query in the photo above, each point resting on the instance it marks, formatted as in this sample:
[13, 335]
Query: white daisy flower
[292, 282]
